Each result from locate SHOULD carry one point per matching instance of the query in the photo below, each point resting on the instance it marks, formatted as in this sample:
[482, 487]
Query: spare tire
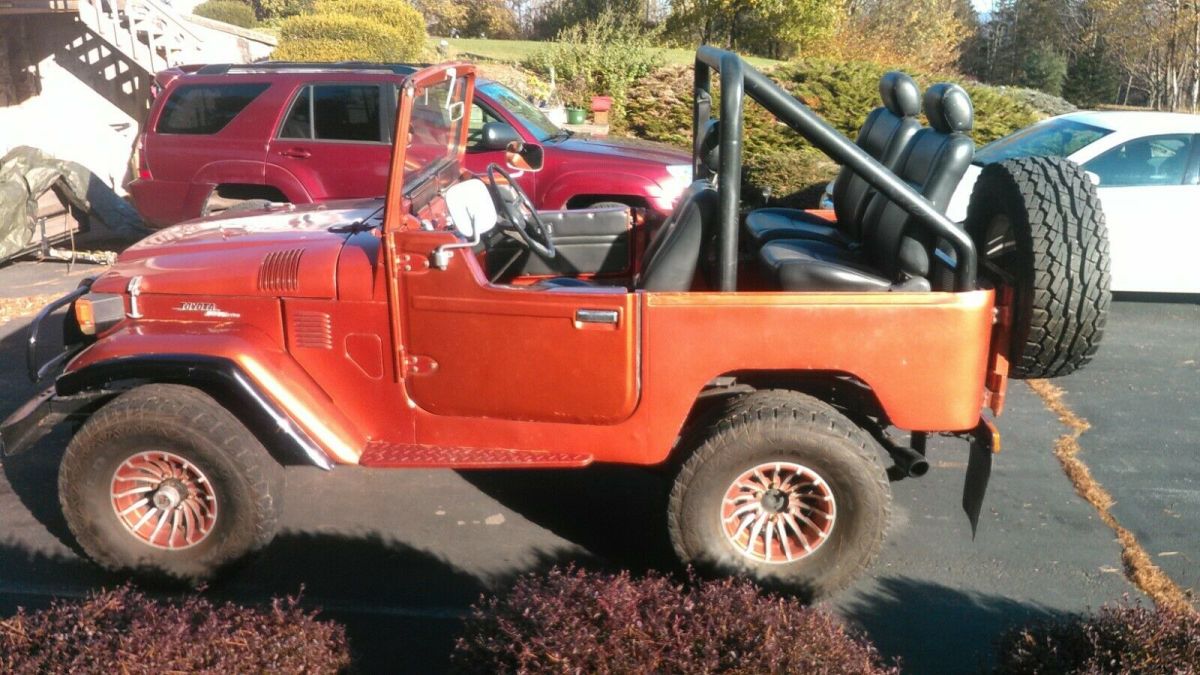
[1039, 228]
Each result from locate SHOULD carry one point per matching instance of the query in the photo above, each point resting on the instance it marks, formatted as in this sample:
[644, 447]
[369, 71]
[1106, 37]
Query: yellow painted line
[1139, 569]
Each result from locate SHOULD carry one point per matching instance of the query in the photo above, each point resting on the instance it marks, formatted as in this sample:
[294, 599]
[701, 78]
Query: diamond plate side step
[379, 454]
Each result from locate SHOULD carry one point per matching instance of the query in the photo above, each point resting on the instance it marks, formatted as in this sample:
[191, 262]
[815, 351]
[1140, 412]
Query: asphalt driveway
[400, 555]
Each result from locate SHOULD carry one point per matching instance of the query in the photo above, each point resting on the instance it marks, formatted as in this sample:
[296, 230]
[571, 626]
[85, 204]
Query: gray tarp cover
[25, 173]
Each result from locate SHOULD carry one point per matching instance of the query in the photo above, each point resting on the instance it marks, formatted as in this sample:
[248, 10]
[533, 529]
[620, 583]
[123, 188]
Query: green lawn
[513, 51]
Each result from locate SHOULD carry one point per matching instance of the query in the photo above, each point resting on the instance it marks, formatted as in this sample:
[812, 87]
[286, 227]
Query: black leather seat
[895, 251]
[884, 136]
[684, 245]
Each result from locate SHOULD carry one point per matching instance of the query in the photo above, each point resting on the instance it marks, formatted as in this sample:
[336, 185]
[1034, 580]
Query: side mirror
[1093, 176]
[524, 156]
[498, 136]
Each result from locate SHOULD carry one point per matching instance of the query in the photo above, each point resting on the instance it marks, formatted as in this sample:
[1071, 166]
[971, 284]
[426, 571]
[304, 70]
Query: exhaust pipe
[909, 462]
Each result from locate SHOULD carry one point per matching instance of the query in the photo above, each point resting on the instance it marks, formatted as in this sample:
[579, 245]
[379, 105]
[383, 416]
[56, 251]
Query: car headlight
[679, 177]
[682, 173]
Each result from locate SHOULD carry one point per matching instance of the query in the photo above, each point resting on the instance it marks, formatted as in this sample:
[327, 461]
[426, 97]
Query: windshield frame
[1052, 125]
[399, 185]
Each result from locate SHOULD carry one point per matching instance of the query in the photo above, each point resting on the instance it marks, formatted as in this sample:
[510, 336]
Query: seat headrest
[710, 146]
[949, 108]
[900, 94]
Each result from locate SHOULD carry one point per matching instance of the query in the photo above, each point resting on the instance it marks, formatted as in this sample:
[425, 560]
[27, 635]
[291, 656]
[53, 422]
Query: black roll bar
[737, 79]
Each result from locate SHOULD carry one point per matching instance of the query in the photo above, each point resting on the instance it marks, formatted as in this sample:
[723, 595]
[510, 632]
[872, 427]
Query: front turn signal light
[85, 316]
[97, 312]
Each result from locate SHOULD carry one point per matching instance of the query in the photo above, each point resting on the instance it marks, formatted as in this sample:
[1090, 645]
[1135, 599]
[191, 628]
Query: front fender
[260, 384]
[568, 185]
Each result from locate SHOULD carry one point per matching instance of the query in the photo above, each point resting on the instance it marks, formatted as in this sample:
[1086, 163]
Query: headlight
[682, 173]
[672, 187]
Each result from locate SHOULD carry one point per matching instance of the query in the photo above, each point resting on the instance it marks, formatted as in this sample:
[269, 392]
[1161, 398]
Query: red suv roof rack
[223, 68]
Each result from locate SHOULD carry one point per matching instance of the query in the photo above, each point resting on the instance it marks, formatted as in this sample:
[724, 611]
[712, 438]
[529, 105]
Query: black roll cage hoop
[738, 79]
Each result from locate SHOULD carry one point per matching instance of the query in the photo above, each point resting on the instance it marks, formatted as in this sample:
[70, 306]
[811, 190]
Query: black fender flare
[218, 377]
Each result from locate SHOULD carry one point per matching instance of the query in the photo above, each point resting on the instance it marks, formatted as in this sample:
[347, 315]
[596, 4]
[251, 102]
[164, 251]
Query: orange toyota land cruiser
[777, 366]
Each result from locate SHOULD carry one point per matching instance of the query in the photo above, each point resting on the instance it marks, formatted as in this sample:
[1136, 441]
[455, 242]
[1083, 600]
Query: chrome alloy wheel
[164, 500]
[778, 512]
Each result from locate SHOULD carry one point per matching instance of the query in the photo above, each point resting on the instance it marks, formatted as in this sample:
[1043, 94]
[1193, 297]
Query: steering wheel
[522, 214]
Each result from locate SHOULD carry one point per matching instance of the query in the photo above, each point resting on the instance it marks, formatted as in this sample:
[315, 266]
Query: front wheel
[785, 490]
[165, 482]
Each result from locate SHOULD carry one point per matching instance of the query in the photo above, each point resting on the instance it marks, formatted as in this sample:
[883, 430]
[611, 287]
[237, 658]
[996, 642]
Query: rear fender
[264, 387]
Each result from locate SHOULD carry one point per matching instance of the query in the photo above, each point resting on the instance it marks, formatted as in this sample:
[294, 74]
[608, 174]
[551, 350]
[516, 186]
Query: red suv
[222, 135]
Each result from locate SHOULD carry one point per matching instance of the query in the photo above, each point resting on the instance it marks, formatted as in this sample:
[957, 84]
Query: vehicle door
[1151, 197]
[336, 140]
[477, 157]
[471, 348]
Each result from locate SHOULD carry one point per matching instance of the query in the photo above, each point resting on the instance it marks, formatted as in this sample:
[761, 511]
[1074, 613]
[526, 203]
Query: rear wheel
[165, 482]
[1038, 223]
[785, 490]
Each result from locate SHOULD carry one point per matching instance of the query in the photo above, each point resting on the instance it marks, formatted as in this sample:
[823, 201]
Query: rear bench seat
[894, 251]
[884, 135]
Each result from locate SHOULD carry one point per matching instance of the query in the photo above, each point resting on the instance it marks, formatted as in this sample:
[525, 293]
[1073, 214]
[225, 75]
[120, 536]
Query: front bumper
[38, 371]
[38, 416]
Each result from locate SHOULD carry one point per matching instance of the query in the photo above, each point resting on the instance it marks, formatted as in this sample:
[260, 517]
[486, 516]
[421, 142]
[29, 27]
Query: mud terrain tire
[1039, 221]
[773, 432]
[159, 430]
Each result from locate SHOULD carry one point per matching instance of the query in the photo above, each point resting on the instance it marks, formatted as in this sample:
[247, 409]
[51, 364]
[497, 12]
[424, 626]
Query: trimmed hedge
[232, 12]
[392, 13]
[573, 621]
[1117, 640]
[842, 92]
[328, 37]
[124, 631]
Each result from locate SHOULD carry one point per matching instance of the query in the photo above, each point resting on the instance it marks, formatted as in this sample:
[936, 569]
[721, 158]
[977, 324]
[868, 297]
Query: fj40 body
[776, 366]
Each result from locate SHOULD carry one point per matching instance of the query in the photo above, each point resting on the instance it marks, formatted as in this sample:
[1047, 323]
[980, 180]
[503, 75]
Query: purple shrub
[573, 621]
[123, 631]
[1118, 639]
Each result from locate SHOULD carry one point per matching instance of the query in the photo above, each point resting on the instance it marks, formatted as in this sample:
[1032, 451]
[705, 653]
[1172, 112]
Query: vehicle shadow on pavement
[616, 513]
[402, 606]
[380, 591]
[935, 628]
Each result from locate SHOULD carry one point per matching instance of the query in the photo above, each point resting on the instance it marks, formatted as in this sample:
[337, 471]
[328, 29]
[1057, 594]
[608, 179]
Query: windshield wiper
[562, 135]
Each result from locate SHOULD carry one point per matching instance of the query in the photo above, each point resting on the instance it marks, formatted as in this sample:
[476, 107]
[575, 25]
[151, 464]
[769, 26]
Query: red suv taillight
[139, 159]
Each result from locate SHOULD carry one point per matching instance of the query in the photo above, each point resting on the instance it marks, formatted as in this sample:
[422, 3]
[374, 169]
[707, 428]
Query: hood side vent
[312, 330]
[280, 271]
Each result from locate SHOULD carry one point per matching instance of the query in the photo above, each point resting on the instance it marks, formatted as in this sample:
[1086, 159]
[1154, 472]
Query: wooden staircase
[147, 33]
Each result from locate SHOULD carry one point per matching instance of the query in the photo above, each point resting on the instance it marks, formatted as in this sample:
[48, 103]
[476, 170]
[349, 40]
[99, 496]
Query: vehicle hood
[626, 148]
[287, 251]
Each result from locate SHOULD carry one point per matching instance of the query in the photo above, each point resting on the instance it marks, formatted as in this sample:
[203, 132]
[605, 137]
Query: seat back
[675, 254]
[933, 163]
[883, 136]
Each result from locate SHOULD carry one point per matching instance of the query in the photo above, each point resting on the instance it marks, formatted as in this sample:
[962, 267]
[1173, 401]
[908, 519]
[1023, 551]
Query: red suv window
[335, 112]
[205, 108]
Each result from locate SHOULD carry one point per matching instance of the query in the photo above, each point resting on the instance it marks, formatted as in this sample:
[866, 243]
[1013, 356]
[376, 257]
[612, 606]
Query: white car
[1146, 166]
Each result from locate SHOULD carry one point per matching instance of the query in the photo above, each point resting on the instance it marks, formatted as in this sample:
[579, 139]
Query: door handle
[607, 316]
[298, 153]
